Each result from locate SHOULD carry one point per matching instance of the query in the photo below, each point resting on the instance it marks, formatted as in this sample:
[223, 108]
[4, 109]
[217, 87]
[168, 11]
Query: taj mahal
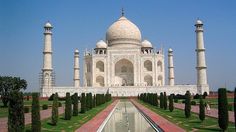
[124, 65]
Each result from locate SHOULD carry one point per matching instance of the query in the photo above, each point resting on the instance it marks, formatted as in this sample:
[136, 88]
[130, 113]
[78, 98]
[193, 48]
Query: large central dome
[123, 33]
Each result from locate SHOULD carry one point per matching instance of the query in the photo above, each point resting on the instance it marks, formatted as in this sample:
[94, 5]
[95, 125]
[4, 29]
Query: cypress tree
[165, 101]
[87, 101]
[68, 107]
[94, 100]
[171, 103]
[83, 103]
[155, 99]
[35, 116]
[201, 109]
[223, 118]
[75, 104]
[187, 109]
[16, 118]
[157, 102]
[54, 118]
[235, 107]
[90, 100]
[161, 100]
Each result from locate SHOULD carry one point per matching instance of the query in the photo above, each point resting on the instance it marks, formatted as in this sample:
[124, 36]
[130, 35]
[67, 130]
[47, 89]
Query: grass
[74, 123]
[191, 124]
[4, 110]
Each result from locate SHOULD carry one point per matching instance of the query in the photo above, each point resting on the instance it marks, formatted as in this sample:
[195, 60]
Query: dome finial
[122, 12]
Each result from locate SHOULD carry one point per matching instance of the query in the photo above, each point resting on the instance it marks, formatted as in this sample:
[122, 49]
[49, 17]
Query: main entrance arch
[124, 73]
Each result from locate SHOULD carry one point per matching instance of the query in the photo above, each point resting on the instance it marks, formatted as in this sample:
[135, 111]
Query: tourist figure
[208, 108]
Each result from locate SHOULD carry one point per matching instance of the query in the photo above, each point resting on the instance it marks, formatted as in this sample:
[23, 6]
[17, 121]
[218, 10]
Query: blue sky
[80, 24]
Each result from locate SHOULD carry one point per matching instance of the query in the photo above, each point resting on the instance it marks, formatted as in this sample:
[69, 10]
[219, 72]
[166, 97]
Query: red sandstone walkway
[96, 122]
[212, 113]
[164, 124]
[43, 113]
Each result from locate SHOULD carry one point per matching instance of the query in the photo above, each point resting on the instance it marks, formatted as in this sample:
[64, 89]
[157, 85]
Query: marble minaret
[76, 69]
[171, 68]
[47, 59]
[201, 67]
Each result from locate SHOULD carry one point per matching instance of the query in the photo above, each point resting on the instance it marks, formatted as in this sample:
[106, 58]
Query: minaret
[76, 69]
[47, 60]
[202, 85]
[171, 68]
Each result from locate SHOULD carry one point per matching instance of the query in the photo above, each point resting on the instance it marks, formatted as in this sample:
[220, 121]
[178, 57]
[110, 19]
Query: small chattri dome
[170, 50]
[101, 44]
[76, 51]
[199, 22]
[146, 44]
[48, 25]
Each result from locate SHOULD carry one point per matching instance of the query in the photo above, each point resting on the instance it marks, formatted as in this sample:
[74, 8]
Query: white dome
[48, 25]
[76, 51]
[199, 22]
[123, 33]
[101, 44]
[170, 50]
[146, 44]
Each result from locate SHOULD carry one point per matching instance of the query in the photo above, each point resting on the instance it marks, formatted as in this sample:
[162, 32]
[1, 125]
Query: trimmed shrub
[83, 103]
[171, 103]
[201, 109]
[197, 96]
[75, 105]
[35, 116]
[16, 118]
[230, 107]
[26, 109]
[205, 95]
[193, 103]
[68, 107]
[59, 104]
[51, 97]
[187, 109]
[45, 106]
[165, 101]
[176, 100]
[54, 118]
[223, 118]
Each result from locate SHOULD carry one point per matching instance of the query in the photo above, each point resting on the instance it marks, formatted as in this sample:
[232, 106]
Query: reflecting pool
[126, 118]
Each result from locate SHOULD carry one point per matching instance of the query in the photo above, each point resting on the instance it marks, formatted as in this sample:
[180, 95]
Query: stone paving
[96, 122]
[43, 113]
[163, 123]
[212, 113]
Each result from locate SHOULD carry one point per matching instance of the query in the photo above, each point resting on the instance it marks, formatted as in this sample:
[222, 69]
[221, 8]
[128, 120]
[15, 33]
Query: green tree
[165, 101]
[83, 103]
[223, 118]
[68, 107]
[90, 100]
[161, 100]
[94, 100]
[16, 118]
[171, 103]
[54, 118]
[235, 107]
[187, 109]
[35, 116]
[75, 105]
[201, 109]
[9, 84]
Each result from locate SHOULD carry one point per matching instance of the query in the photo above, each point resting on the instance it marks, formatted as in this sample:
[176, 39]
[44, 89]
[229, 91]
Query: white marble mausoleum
[124, 64]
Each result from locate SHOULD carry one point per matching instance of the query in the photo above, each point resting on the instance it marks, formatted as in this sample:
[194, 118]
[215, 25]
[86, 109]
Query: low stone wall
[122, 91]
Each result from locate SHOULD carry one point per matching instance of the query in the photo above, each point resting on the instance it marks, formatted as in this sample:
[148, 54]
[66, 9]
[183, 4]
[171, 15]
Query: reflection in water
[126, 118]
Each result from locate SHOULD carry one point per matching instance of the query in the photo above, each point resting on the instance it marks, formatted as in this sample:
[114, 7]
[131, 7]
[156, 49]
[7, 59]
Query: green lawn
[4, 110]
[193, 123]
[74, 123]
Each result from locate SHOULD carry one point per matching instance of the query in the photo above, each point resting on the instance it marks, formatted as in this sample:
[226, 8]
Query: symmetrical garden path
[96, 122]
[163, 123]
[212, 113]
[43, 113]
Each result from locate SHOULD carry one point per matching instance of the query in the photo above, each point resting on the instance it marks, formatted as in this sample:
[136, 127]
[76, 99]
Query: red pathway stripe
[93, 124]
[163, 123]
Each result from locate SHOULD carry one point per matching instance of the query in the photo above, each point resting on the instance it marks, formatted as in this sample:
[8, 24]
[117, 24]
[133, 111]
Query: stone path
[43, 113]
[212, 113]
[93, 124]
[163, 123]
